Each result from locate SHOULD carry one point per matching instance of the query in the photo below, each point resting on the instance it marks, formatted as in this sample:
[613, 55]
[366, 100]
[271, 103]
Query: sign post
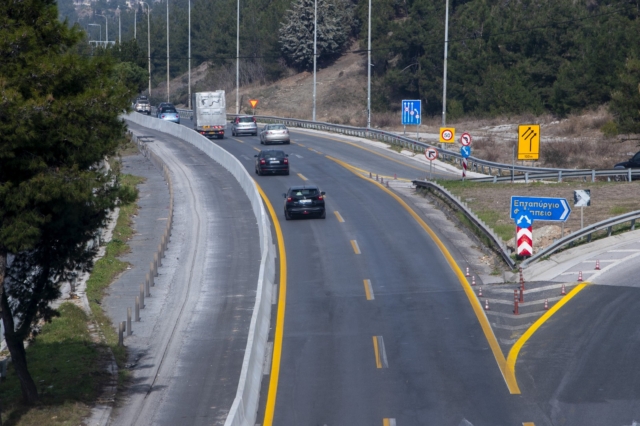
[582, 199]
[254, 103]
[524, 210]
[431, 154]
[465, 152]
[412, 114]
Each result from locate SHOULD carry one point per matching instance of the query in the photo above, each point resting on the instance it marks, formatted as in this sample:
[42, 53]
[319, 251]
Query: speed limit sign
[447, 134]
[431, 153]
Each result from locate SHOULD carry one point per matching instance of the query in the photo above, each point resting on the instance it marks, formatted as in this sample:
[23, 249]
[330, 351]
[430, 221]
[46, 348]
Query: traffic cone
[521, 279]
[381, 179]
[486, 304]
[597, 265]
[370, 175]
[387, 183]
[377, 176]
[563, 292]
[515, 308]
[580, 276]
[395, 176]
[468, 271]
[521, 296]
[473, 280]
[479, 291]
[546, 304]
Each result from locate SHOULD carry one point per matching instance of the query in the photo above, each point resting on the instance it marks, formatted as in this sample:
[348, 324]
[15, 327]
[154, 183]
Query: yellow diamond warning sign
[528, 141]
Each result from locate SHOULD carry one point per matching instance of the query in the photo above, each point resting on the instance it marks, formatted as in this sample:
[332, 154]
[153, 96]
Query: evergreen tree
[625, 103]
[59, 120]
[335, 25]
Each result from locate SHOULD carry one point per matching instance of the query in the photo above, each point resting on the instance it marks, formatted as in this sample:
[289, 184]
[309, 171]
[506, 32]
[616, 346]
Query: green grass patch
[63, 360]
[618, 210]
[506, 231]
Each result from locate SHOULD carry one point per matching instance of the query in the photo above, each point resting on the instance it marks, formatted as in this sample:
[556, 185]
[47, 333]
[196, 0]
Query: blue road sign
[465, 151]
[411, 112]
[524, 210]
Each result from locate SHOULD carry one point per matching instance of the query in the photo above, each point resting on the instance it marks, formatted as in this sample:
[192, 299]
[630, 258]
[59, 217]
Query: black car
[304, 201]
[272, 162]
[632, 163]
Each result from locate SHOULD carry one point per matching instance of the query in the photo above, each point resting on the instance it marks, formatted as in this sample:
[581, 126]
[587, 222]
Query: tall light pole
[106, 43]
[189, 54]
[444, 78]
[315, 53]
[238, 60]
[135, 22]
[119, 26]
[148, 44]
[369, 71]
[168, 51]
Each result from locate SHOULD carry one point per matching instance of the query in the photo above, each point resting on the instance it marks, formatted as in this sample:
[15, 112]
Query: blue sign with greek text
[524, 210]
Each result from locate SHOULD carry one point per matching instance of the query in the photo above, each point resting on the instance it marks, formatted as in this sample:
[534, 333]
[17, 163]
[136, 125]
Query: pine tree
[335, 25]
[59, 120]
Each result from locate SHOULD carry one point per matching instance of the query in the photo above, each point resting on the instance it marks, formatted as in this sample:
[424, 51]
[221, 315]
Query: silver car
[169, 113]
[274, 133]
[244, 125]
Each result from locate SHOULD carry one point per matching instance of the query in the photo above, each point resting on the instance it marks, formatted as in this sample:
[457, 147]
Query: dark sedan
[272, 162]
[632, 163]
[304, 201]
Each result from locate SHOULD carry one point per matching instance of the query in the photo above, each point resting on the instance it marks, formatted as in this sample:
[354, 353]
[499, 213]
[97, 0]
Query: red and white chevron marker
[525, 241]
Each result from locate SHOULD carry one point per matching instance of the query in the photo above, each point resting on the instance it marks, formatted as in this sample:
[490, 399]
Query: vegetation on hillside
[505, 57]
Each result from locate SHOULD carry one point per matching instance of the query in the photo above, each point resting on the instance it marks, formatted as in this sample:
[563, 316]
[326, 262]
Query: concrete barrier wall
[245, 405]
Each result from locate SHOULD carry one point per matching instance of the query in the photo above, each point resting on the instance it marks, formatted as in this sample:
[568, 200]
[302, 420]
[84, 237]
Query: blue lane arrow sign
[411, 112]
[465, 151]
[524, 210]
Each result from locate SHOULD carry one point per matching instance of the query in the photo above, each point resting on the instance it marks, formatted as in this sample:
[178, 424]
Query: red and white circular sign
[465, 139]
[446, 135]
[431, 153]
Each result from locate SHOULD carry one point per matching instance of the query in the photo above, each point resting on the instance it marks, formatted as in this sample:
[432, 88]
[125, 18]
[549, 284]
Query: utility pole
[189, 98]
[148, 45]
[315, 53]
[119, 27]
[168, 51]
[135, 22]
[444, 78]
[369, 71]
[238, 60]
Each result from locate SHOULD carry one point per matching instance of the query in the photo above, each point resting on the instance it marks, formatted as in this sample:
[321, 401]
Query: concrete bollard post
[120, 335]
[147, 289]
[154, 265]
[137, 309]
[141, 296]
[128, 321]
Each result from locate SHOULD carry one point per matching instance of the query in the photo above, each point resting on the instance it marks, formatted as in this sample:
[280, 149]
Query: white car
[274, 133]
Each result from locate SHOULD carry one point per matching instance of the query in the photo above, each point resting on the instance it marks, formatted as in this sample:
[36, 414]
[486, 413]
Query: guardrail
[498, 244]
[244, 409]
[587, 231]
[473, 163]
[617, 174]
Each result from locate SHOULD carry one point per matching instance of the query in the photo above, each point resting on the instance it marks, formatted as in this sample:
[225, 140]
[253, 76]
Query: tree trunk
[15, 343]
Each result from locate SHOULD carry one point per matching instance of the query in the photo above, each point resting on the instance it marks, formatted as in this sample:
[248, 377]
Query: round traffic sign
[431, 153]
[465, 139]
[446, 135]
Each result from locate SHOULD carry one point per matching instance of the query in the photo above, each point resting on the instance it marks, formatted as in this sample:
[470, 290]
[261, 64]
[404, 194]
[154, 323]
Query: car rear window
[277, 154]
[143, 102]
[173, 110]
[246, 120]
[277, 127]
[305, 192]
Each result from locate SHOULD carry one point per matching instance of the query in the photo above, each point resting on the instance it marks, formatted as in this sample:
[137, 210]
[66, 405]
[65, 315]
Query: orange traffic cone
[580, 276]
[563, 292]
[486, 304]
[515, 308]
[597, 265]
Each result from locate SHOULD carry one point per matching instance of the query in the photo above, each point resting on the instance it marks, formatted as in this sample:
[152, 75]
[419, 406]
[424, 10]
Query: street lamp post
[106, 43]
[315, 53]
[168, 51]
[444, 78]
[369, 71]
[189, 54]
[238, 60]
[135, 22]
[148, 44]
[119, 26]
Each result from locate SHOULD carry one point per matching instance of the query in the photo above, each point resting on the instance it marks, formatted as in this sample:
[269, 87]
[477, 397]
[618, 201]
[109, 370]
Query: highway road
[379, 328]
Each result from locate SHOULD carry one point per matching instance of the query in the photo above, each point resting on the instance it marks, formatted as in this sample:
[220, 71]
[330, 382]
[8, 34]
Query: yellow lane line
[237, 140]
[388, 422]
[299, 144]
[528, 424]
[340, 219]
[257, 149]
[365, 173]
[279, 330]
[302, 177]
[354, 244]
[368, 290]
[376, 351]
[515, 349]
[507, 373]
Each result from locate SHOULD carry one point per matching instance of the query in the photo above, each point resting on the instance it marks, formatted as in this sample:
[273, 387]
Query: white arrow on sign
[525, 217]
[566, 209]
